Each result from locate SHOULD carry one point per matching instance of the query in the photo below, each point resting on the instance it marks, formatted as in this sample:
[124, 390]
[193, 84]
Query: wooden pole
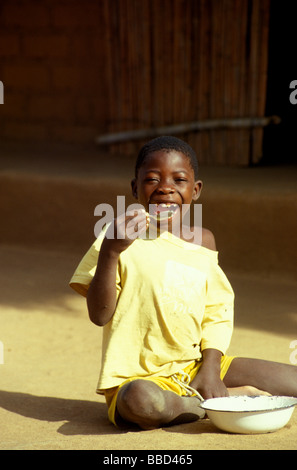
[196, 126]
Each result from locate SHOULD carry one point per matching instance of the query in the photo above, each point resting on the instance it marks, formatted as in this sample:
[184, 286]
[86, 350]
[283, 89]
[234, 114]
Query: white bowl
[250, 415]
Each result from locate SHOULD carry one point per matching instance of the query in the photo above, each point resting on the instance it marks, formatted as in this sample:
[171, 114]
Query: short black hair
[167, 143]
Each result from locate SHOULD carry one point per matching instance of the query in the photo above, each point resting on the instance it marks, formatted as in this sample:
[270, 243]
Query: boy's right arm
[102, 293]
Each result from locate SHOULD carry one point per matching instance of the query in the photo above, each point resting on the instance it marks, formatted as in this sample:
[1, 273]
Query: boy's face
[166, 177]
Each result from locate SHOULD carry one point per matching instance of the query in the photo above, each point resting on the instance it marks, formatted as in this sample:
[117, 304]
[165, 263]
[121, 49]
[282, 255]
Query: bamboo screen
[178, 61]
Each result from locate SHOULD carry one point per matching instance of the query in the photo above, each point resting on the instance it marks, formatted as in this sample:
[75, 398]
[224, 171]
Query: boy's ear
[197, 190]
[134, 187]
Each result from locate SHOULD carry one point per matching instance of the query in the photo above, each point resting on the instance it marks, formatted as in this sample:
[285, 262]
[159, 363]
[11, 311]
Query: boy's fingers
[141, 217]
[135, 212]
[132, 223]
[123, 219]
[135, 228]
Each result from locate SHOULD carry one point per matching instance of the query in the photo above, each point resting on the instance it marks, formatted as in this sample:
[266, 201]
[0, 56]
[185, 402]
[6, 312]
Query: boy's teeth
[165, 204]
[163, 210]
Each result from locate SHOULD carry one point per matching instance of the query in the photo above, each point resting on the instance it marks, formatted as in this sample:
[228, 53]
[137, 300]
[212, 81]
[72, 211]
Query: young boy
[165, 304]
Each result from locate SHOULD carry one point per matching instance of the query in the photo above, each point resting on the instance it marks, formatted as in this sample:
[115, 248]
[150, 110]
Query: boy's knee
[141, 402]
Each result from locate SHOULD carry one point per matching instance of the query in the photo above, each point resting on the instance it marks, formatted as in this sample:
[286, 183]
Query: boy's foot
[247, 390]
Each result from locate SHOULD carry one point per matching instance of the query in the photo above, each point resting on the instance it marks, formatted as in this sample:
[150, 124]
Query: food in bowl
[250, 415]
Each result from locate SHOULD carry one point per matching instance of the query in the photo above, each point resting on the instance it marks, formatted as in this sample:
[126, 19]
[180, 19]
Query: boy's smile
[165, 181]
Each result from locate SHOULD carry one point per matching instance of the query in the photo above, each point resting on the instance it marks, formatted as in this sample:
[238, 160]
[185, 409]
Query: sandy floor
[52, 359]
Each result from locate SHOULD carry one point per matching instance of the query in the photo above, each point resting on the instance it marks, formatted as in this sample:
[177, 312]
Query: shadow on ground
[82, 417]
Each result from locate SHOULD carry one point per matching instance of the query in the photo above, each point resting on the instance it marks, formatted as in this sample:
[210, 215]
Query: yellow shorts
[165, 383]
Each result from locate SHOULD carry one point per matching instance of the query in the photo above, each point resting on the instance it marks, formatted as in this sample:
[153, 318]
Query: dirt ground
[50, 359]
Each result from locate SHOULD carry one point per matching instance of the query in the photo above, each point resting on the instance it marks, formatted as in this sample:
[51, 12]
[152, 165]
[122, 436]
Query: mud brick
[43, 46]
[50, 107]
[77, 15]
[83, 109]
[74, 133]
[29, 76]
[14, 106]
[26, 14]
[84, 80]
[22, 130]
[9, 45]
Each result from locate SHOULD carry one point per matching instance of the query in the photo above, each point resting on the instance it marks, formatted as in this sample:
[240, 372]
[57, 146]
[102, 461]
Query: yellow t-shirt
[173, 302]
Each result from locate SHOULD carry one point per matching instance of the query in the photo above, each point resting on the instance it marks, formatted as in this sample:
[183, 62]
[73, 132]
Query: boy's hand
[209, 385]
[125, 229]
[207, 381]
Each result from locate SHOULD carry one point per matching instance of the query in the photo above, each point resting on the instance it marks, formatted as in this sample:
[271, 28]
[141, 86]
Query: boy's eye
[151, 178]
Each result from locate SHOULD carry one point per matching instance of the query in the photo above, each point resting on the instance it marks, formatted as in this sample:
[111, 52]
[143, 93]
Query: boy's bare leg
[144, 403]
[272, 377]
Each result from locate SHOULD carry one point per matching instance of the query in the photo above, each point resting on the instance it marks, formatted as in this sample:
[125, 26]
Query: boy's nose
[165, 189]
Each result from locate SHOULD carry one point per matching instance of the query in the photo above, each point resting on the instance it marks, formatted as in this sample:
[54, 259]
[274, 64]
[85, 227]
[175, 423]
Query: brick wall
[52, 68]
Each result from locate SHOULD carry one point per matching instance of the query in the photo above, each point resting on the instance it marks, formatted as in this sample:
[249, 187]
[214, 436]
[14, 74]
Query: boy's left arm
[217, 328]
[208, 382]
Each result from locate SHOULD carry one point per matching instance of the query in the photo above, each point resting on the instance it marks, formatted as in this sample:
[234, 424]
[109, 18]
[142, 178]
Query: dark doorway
[280, 142]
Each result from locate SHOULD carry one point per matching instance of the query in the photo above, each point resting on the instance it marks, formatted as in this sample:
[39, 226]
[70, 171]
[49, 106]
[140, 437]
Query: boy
[165, 304]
